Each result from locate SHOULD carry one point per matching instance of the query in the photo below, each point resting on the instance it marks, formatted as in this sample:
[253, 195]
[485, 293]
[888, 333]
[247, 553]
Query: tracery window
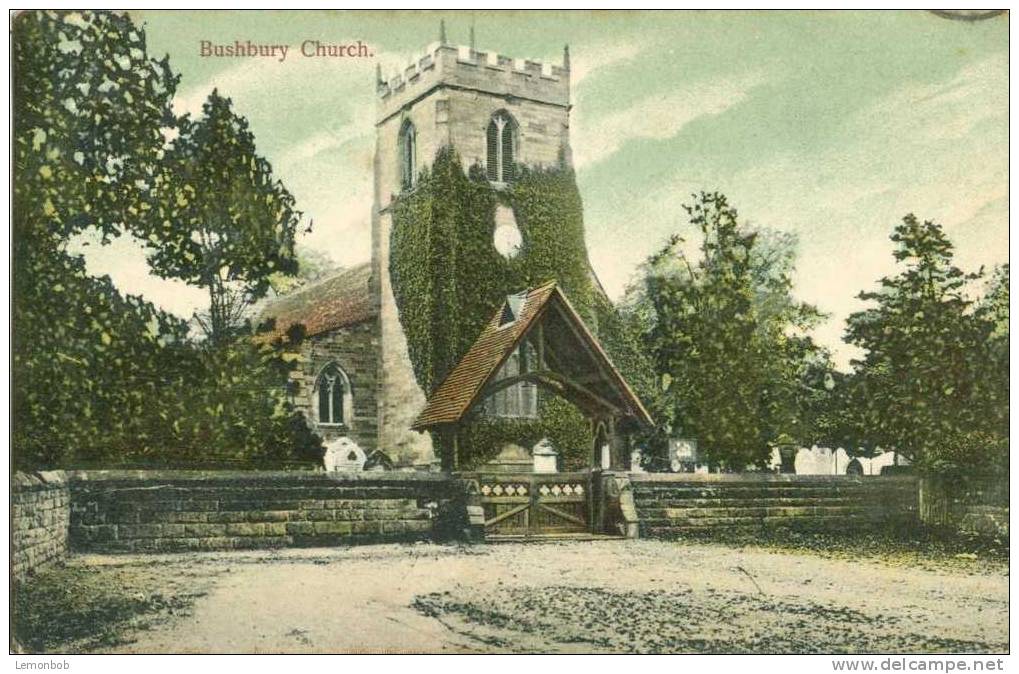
[334, 395]
[501, 144]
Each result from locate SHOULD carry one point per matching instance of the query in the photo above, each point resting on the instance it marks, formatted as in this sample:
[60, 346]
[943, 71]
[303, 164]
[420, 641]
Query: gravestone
[511, 459]
[545, 457]
[343, 455]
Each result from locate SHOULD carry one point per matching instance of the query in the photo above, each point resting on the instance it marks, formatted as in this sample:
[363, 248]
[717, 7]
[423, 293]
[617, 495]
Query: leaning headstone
[344, 455]
[378, 462]
[682, 454]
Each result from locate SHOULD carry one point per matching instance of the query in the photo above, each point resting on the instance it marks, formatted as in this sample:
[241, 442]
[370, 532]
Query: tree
[312, 265]
[223, 223]
[99, 377]
[225, 404]
[798, 371]
[992, 381]
[727, 340]
[921, 384]
[89, 106]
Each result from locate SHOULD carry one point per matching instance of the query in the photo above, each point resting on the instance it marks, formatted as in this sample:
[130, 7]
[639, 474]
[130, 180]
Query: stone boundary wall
[164, 511]
[974, 505]
[669, 504]
[40, 519]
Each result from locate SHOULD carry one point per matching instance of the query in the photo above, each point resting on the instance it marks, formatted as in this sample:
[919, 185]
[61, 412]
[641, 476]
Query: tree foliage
[222, 221]
[313, 265]
[934, 379]
[726, 340]
[88, 109]
[99, 377]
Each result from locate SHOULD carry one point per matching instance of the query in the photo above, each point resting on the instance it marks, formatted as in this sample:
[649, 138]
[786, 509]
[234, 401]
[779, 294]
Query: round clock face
[507, 240]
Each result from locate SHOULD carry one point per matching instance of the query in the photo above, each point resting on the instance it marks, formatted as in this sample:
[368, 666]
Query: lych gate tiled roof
[338, 301]
[454, 396]
[459, 391]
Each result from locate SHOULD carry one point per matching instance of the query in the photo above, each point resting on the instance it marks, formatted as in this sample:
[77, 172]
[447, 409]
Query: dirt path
[604, 596]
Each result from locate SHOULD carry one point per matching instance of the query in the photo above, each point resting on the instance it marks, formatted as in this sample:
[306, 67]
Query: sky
[830, 125]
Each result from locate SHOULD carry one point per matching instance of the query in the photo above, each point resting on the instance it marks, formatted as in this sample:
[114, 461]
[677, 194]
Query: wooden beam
[540, 328]
[566, 516]
[506, 515]
[583, 341]
[554, 381]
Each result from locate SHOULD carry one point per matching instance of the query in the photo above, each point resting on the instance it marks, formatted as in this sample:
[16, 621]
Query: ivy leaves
[448, 278]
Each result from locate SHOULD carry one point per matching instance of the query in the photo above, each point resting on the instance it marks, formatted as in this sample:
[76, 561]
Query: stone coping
[27, 480]
[51, 478]
[45, 479]
[763, 478]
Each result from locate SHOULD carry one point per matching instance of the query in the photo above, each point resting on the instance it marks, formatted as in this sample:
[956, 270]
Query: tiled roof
[338, 301]
[458, 392]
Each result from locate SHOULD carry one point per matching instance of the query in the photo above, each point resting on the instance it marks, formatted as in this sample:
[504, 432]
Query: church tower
[496, 112]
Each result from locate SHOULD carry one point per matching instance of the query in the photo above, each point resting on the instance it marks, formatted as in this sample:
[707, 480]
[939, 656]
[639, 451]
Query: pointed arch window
[408, 155]
[501, 145]
[333, 397]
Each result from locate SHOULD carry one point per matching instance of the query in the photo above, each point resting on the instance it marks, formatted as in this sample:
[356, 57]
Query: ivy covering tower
[474, 199]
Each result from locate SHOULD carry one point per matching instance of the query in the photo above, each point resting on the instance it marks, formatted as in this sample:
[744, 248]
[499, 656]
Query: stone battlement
[466, 68]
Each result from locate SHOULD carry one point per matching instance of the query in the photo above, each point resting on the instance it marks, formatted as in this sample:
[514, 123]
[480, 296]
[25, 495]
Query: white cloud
[326, 141]
[343, 232]
[237, 79]
[658, 117]
[598, 58]
[947, 110]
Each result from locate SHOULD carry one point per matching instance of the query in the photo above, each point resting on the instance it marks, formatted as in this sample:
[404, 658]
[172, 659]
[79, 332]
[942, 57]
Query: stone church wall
[354, 348]
[542, 129]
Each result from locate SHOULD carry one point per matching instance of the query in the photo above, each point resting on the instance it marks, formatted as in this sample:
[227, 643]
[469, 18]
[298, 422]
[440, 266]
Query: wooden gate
[530, 504]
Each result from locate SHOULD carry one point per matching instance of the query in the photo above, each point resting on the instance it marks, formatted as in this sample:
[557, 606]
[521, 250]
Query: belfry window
[501, 144]
[332, 390]
[408, 155]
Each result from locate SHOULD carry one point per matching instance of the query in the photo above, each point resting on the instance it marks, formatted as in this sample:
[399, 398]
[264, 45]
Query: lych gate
[536, 339]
